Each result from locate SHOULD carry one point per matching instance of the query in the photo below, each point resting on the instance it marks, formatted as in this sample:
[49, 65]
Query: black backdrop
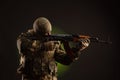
[96, 18]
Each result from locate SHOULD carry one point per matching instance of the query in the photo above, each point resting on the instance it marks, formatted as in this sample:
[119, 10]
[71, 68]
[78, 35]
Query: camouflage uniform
[38, 57]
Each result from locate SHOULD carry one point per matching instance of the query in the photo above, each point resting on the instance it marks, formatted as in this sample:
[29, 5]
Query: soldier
[38, 57]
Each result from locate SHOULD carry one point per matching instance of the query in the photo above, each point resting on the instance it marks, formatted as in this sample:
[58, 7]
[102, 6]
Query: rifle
[70, 37]
[74, 38]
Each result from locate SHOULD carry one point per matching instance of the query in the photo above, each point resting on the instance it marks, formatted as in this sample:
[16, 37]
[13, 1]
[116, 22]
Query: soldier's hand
[84, 43]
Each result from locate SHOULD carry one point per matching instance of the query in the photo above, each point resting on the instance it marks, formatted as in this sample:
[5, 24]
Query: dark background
[95, 18]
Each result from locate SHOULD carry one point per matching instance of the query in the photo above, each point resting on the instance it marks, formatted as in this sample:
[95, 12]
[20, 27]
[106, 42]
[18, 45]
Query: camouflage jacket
[38, 57]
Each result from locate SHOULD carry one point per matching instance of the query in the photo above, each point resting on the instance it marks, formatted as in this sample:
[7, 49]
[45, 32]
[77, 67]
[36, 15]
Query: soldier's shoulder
[29, 33]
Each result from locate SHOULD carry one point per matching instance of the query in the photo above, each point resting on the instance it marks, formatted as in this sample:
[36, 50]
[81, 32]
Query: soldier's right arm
[23, 44]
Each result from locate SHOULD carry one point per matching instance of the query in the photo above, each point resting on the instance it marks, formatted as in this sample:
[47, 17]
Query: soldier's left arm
[69, 55]
[66, 56]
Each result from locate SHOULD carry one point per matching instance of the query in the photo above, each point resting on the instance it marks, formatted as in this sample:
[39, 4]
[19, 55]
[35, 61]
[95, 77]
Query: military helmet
[42, 25]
